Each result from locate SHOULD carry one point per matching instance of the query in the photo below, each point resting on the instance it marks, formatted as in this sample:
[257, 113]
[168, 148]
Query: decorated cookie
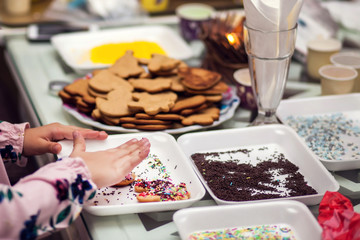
[160, 190]
[130, 178]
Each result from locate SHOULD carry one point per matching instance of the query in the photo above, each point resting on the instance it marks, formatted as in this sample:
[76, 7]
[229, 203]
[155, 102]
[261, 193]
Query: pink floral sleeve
[11, 142]
[50, 198]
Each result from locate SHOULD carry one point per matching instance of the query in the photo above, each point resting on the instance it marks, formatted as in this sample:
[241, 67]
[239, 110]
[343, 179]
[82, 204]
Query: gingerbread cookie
[204, 117]
[116, 103]
[79, 88]
[152, 103]
[219, 88]
[105, 81]
[190, 102]
[151, 85]
[143, 121]
[189, 111]
[161, 63]
[127, 66]
[176, 84]
[146, 127]
[198, 78]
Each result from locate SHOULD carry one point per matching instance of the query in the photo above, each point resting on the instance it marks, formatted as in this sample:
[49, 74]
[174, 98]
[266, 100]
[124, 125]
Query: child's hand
[44, 139]
[111, 166]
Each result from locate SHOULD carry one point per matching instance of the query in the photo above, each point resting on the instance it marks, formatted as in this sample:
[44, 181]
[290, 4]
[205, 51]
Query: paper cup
[243, 88]
[191, 16]
[17, 7]
[337, 79]
[348, 59]
[319, 52]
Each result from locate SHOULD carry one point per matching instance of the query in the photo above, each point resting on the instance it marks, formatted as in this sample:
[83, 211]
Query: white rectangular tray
[74, 48]
[113, 201]
[273, 137]
[347, 104]
[291, 213]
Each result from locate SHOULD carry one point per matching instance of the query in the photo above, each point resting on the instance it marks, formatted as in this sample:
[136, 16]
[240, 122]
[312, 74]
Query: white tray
[347, 104]
[273, 137]
[228, 106]
[292, 213]
[123, 200]
[74, 48]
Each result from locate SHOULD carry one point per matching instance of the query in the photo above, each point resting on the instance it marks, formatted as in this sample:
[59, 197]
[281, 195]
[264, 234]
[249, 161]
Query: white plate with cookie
[165, 161]
[227, 107]
[75, 48]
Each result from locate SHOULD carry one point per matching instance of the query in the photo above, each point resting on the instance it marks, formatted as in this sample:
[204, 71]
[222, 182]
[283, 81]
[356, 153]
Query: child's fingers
[94, 134]
[130, 146]
[132, 159]
[79, 142]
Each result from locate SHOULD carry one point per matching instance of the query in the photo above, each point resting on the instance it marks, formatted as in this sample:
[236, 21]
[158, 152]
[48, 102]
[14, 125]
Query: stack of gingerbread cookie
[148, 94]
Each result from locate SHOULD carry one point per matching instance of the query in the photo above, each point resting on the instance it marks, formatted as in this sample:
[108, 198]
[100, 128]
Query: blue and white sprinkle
[330, 136]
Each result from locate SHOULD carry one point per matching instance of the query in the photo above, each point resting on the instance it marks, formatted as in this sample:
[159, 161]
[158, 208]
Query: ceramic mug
[337, 79]
[243, 88]
[192, 16]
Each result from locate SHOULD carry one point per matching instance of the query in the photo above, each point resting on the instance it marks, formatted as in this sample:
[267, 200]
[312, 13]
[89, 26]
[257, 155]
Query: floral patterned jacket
[48, 199]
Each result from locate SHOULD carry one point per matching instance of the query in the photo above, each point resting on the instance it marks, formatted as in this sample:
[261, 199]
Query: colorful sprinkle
[329, 136]
[269, 232]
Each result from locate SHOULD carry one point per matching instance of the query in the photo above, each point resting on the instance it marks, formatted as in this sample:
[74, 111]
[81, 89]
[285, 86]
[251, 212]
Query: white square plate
[292, 214]
[345, 107]
[270, 139]
[74, 48]
[122, 200]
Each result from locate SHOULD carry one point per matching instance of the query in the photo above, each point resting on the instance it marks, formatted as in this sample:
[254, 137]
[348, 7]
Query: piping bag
[271, 15]
[337, 218]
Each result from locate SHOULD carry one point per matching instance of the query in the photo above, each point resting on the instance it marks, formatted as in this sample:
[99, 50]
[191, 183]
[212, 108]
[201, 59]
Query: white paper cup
[337, 79]
[319, 52]
[17, 7]
[348, 59]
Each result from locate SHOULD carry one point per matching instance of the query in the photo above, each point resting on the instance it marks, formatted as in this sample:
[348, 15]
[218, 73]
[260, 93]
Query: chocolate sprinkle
[231, 180]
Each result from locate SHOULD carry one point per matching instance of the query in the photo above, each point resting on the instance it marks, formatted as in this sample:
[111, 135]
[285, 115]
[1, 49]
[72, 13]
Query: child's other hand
[44, 139]
[111, 166]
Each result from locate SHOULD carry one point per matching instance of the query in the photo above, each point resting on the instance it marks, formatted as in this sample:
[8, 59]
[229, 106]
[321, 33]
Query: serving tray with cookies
[166, 167]
[156, 94]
